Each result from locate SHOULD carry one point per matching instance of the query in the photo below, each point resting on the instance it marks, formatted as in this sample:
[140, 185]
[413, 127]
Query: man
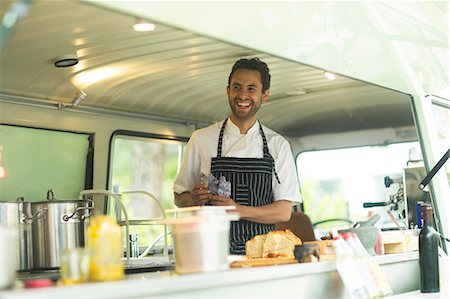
[245, 164]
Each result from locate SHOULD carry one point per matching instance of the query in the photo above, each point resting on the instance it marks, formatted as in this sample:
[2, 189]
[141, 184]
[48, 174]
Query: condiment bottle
[381, 282]
[105, 249]
[428, 253]
[364, 270]
[349, 270]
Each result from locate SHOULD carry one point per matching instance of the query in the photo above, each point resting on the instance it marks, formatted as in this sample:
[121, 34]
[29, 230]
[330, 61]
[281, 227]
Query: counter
[313, 280]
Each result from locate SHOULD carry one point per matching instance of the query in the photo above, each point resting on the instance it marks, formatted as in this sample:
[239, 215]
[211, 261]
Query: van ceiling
[175, 74]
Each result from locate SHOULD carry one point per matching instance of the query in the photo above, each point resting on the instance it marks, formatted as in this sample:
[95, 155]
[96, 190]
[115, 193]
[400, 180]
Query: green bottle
[428, 253]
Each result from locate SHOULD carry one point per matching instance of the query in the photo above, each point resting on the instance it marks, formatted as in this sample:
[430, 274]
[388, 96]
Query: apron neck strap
[222, 130]
[267, 155]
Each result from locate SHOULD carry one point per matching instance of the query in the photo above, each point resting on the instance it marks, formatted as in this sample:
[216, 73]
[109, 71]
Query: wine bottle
[428, 253]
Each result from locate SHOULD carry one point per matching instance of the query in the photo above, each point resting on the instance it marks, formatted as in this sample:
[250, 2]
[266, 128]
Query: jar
[105, 249]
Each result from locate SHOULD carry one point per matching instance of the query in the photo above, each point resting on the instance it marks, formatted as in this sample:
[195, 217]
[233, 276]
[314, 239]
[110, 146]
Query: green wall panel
[36, 160]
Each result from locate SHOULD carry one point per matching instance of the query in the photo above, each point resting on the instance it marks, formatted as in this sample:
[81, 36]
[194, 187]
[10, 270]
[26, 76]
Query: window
[335, 183]
[143, 162]
[441, 113]
[36, 160]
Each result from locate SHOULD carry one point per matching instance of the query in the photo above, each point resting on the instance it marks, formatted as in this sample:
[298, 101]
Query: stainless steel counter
[313, 280]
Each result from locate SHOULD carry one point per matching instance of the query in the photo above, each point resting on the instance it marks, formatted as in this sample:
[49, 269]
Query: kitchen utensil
[62, 227]
[17, 215]
[394, 220]
[244, 263]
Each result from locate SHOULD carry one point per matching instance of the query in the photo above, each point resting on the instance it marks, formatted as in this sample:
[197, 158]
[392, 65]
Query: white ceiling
[174, 73]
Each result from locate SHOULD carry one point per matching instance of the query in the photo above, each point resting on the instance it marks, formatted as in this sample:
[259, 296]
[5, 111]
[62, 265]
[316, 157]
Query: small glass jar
[74, 266]
[105, 249]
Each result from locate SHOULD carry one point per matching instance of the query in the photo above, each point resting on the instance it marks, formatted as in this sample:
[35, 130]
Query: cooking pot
[201, 239]
[62, 227]
[18, 216]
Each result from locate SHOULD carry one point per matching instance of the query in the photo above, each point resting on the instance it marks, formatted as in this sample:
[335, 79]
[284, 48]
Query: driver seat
[300, 225]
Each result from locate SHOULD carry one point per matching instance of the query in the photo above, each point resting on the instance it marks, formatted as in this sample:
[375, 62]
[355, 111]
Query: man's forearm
[279, 211]
[183, 200]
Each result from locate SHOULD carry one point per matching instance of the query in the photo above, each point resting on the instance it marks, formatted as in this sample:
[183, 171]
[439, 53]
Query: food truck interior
[86, 102]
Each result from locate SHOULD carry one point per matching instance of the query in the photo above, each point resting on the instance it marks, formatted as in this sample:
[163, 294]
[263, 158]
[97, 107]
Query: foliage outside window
[145, 164]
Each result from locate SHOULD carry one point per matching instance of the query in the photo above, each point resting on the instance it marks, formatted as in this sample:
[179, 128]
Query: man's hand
[217, 200]
[200, 194]
[198, 197]
[279, 211]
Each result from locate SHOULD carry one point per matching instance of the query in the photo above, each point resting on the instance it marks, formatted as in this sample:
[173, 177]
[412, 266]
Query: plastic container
[349, 269]
[105, 249]
[201, 238]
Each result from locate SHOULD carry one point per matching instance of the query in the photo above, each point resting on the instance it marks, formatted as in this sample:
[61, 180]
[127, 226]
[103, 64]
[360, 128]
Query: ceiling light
[66, 60]
[143, 25]
[330, 76]
[79, 97]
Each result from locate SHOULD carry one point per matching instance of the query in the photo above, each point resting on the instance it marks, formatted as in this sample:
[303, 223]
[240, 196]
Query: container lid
[60, 201]
[38, 283]
[202, 218]
[200, 210]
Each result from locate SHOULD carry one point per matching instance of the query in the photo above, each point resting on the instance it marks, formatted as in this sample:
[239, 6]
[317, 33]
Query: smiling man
[245, 164]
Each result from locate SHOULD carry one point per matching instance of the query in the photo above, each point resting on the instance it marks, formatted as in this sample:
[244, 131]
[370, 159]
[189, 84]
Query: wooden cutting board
[262, 262]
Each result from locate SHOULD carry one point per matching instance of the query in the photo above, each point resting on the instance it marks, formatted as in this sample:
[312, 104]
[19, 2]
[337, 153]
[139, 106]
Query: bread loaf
[274, 244]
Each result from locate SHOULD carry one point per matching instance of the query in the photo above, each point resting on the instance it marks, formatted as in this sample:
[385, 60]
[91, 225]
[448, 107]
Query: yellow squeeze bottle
[105, 249]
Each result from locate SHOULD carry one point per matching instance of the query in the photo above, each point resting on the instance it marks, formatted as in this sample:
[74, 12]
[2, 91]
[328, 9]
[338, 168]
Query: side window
[34, 160]
[335, 184]
[441, 113]
[143, 162]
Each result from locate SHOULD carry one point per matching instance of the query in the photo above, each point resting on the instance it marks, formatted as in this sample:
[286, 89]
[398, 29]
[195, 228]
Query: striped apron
[251, 185]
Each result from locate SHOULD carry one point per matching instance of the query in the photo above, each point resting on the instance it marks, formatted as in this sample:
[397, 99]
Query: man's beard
[244, 115]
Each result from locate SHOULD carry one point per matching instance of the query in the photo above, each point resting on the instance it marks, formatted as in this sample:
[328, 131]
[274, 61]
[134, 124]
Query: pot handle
[67, 217]
[35, 216]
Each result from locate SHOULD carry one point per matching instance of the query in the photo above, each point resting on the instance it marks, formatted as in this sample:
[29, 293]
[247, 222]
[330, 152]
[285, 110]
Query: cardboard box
[399, 241]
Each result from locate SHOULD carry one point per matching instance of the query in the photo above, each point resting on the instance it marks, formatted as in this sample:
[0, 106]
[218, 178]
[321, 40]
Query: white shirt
[202, 146]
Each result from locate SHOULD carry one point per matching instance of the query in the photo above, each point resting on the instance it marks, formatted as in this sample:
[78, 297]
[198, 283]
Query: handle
[67, 217]
[374, 204]
[35, 216]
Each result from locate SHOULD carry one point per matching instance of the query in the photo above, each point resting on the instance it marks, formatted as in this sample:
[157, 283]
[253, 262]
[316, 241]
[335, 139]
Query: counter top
[318, 279]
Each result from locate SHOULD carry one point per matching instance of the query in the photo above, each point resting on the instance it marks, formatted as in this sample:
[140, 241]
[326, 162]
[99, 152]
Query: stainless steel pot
[18, 216]
[62, 227]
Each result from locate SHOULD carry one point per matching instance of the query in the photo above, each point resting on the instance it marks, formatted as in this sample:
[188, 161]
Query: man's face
[245, 93]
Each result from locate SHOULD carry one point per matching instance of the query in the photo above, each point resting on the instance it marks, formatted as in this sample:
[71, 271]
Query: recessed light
[141, 25]
[330, 76]
[66, 60]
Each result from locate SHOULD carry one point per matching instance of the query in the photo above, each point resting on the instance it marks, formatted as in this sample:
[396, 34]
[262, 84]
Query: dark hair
[256, 65]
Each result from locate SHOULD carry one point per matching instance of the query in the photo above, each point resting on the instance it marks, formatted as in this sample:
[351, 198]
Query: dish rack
[126, 222]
